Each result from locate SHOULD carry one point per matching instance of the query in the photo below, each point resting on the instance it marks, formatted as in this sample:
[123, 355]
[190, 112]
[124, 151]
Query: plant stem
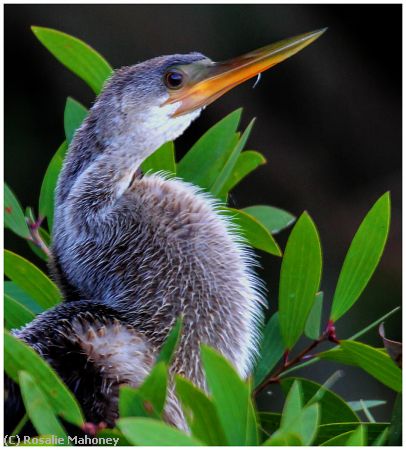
[36, 238]
[274, 378]
[20, 425]
[357, 335]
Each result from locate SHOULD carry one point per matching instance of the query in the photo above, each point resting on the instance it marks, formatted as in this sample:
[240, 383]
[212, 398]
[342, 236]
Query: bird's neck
[103, 157]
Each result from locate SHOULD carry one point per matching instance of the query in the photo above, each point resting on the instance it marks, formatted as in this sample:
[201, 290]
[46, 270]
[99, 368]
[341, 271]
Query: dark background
[329, 122]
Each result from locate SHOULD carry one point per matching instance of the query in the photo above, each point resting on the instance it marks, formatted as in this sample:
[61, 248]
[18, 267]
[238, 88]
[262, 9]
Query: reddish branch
[35, 236]
[328, 335]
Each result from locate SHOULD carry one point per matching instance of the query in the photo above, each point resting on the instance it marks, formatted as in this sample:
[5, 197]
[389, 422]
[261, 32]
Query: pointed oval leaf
[395, 428]
[246, 162]
[149, 399]
[329, 431]
[115, 435]
[381, 440]
[283, 438]
[357, 438]
[13, 290]
[14, 218]
[307, 424]
[142, 431]
[168, 349]
[207, 157]
[73, 117]
[300, 279]
[272, 349]
[334, 409]
[273, 219]
[38, 408]
[293, 405]
[312, 328]
[76, 55]
[200, 413]
[230, 162]
[253, 232]
[339, 440]
[16, 314]
[362, 257]
[19, 356]
[375, 362]
[232, 399]
[47, 194]
[31, 280]
[162, 160]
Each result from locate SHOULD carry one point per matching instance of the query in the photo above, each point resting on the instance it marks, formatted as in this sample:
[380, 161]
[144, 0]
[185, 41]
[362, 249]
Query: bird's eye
[174, 79]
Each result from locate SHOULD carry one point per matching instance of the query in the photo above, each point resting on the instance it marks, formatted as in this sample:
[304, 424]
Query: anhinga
[131, 253]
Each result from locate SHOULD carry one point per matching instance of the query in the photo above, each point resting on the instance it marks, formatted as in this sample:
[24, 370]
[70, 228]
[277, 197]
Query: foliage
[313, 414]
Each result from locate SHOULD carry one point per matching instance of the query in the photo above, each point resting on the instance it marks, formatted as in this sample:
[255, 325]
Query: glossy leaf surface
[76, 55]
[31, 280]
[362, 257]
[299, 279]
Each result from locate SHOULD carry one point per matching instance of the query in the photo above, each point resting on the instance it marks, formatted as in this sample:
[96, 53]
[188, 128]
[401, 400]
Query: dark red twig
[328, 335]
[35, 236]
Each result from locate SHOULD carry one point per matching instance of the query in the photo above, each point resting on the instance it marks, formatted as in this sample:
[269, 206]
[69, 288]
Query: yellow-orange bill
[208, 80]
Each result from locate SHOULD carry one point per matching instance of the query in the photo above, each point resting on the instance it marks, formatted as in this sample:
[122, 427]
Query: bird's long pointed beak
[208, 81]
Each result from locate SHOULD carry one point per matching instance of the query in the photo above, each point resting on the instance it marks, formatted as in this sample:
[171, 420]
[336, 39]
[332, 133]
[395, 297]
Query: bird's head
[157, 99]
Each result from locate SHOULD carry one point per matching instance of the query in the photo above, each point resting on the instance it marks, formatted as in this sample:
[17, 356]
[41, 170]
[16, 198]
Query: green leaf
[76, 55]
[293, 405]
[380, 441]
[232, 399]
[328, 431]
[142, 432]
[312, 327]
[395, 428]
[375, 362]
[246, 162]
[357, 438]
[38, 408]
[35, 249]
[362, 257]
[16, 315]
[270, 421]
[306, 424]
[283, 438]
[162, 159]
[167, 351]
[229, 164]
[131, 404]
[272, 349]
[113, 433]
[19, 356]
[253, 232]
[334, 409]
[14, 218]
[209, 154]
[147, 400]
[47, 194]
[200, 413]
[330, 354]
[73, 117]
[299, 279]
[13, 290]
[339, 440]
[299, 420]
[358, 406]
[32, 280]
[273, 219]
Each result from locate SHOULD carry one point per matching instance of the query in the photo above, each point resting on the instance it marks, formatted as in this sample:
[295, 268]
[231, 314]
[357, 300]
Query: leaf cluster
[227, 415]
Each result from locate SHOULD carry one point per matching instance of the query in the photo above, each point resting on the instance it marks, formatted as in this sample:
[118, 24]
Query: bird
[132, 251]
